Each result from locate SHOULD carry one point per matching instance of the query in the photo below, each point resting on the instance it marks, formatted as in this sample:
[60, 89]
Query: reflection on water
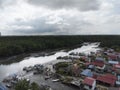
[6, 70]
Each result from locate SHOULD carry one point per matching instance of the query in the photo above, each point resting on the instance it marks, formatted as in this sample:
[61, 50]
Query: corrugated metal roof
[108, 78]
[89, 81]
[87, 72]
[98, 63]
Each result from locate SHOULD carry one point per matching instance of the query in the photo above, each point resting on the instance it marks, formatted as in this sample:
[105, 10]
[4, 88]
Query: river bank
[47, 61]
[17, 58]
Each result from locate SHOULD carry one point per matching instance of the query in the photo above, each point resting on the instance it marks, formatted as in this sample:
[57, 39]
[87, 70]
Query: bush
[34, 86]
[61, 65]
[22, 85]
[25, 85]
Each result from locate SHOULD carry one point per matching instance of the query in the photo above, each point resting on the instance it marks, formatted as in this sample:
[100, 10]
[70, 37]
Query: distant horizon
[66, 35]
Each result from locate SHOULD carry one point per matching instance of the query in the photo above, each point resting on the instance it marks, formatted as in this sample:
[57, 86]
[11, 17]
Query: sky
[59, 17]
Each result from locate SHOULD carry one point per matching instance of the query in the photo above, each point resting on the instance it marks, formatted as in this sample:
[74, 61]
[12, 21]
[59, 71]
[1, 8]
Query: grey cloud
[4, 3]
[82, 5]
[1, 3]
[40, 26]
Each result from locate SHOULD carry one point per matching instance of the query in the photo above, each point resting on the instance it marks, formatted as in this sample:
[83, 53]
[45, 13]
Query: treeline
[14, 45]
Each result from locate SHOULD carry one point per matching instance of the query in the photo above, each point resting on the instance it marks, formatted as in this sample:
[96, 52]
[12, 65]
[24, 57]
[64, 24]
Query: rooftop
[87, 73]
[98, 63]
[89, 81]
[107, 78]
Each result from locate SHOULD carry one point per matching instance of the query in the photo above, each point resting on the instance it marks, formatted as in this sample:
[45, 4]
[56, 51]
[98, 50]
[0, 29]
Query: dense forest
[14, 45]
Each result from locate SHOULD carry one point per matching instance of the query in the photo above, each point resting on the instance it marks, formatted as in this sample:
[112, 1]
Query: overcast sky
[59, 17]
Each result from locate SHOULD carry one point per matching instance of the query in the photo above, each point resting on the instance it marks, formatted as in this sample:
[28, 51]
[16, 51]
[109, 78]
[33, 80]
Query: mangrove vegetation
[14, 45]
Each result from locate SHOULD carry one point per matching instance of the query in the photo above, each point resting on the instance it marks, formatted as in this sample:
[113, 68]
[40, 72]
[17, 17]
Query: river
[6, 70]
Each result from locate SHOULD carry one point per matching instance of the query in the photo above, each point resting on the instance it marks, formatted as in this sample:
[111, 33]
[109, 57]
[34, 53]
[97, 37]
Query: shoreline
[20, 57]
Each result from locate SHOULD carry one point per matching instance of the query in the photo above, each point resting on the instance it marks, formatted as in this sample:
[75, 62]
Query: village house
[107, 79]
[91, 67]
[113, 62]
[100, 59]
[110, 50]
[89, 83]
[87, 73]
[118, 55]
[100, 65]
[117, 66]
[112, 56]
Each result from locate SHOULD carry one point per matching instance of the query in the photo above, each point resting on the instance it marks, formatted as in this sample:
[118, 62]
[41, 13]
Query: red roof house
[113, 57]
[95, 76]
[98, 63]
[87, 63]
[108, 78]
[91, 82]
[111, 76]
[117, 66]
